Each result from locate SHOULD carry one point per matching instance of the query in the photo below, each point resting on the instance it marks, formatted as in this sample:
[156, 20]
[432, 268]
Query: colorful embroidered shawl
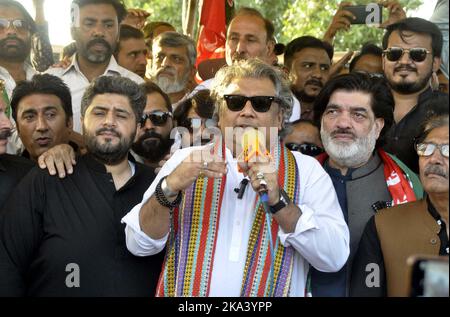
[191, 244]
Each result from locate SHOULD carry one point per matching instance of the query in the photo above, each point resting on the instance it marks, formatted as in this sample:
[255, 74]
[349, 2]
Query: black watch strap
[283, 202]
[162, 199]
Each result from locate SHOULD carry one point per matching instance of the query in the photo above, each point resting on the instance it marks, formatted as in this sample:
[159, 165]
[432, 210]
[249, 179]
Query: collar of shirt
[112, 66]
[10, 83]
[355, 173]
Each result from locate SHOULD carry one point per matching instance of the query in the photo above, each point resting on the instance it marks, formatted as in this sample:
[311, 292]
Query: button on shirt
[77, 83]
[321, 235]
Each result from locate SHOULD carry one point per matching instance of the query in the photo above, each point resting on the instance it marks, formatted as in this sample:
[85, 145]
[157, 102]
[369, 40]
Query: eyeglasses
[427, 149]
[305, 148]
[417, 54]
[192, 123]
[20, 25]
[158, 118]
[259, 103]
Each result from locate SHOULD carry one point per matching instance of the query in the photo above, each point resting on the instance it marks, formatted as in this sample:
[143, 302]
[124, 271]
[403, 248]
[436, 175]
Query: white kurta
[321, 236]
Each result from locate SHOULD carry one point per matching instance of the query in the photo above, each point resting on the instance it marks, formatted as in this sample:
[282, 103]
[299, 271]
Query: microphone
[240, 191]
[253, 145]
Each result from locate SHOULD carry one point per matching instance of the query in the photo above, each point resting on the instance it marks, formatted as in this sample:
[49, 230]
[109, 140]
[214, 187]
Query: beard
[5, 133]
[15, 53]
[169, 85]
[301, 95]
[152, 150]
[97, 57]
[108, 153]
[349, 155]
[410, 87]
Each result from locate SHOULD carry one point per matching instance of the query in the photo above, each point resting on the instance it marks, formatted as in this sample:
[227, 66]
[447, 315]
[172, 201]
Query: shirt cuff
[304, 223]
[139, 243]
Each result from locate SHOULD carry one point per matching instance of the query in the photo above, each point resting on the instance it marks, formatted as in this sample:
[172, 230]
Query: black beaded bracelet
[162, 199]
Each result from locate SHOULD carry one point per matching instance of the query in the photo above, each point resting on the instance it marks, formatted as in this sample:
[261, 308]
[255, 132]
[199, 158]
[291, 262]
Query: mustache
[5, 133]
[12, 37]
[150, 134]
[315, 82]
[98, 41]
[342, 131]
[436, 170]
[405, 67]
[113, 131]
[238, 56]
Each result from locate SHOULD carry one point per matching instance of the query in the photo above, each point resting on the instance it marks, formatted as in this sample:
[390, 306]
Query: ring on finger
[260, 175]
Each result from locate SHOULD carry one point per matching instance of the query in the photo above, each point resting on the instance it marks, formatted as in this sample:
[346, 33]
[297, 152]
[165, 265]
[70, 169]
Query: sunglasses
[158, 118]
[417, 54]
[427, 149]
[305, 148]
[192, 123]
[259, 103]
[19, 25]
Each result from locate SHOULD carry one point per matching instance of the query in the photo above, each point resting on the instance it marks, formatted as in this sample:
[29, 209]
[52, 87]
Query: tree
[292, 18]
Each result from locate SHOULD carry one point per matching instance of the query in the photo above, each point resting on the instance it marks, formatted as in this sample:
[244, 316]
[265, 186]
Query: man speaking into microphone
[259, 245]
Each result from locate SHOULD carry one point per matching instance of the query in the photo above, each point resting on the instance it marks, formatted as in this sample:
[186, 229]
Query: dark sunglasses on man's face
[158, 118]
[19, 25]
[427, 149]
[305, 148]
[259, 103]
[417, 54]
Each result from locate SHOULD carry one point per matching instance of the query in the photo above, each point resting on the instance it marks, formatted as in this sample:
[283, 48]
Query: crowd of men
[120, 175]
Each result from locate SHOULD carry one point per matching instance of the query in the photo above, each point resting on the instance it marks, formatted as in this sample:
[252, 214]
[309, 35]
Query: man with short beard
[354, 112]
[153, 139]
[173, 64]
[95, 29]
[412, 53]
[308, 60]
[392, 236]
[16, 30]
[69, 230]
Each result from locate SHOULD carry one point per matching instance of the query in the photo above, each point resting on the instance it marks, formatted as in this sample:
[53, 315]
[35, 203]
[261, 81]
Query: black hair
[367, 49]
[302, 42]
[45, 84]
[201, 101]
[381, 97]
[117, 4]
[20, 7]
[437, 111]
[115, 85]
[128, 32]
[149, 88]
[416, 25]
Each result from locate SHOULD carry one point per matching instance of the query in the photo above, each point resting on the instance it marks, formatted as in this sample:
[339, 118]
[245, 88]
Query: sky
[57, 14]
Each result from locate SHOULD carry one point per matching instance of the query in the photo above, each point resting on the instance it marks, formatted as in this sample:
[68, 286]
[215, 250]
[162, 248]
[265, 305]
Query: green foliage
[292, 18]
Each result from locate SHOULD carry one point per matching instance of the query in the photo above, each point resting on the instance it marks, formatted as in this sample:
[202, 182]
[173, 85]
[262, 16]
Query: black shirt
[12, 169]
[50, 226]
[370, 252]
[401, 136]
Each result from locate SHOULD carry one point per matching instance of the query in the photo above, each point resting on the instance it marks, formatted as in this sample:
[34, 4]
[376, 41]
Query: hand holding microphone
[257, 163]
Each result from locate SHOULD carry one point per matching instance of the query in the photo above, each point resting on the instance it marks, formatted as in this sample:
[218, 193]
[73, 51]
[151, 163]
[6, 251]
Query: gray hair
[175, 39]
[253, 68]
[116, 85]
[433, 122]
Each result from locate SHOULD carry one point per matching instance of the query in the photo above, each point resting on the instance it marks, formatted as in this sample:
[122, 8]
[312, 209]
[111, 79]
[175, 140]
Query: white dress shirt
[321, 235]
[15, 145]
[77, 82]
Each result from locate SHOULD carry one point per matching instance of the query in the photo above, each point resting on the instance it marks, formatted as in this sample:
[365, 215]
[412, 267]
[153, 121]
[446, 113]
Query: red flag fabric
[212, 31]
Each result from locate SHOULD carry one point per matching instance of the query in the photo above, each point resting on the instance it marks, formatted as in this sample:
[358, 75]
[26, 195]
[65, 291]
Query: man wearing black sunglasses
[153, 140]
[420, 227]
[412, 53]
[224, 233]
[304, 137]
[354, 112]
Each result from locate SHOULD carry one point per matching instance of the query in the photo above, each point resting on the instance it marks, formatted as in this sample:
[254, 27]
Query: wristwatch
[283, 202]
